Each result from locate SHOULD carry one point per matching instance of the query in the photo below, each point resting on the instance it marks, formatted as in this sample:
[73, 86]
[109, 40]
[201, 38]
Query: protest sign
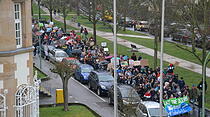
[177, 106]
[131, 62]
[144, 62]
[136, 63]
[124, 63]
[103, 44]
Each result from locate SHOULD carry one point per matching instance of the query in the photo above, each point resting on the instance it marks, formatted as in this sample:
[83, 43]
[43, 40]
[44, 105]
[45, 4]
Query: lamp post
[203, 86]
[115, 62]
[161, 58]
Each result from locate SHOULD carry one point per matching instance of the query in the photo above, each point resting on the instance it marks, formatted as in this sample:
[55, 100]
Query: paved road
[78, 93]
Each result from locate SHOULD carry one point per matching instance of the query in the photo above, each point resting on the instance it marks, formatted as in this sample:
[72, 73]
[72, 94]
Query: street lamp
[203, 86]
[115, 61]
[161, 58]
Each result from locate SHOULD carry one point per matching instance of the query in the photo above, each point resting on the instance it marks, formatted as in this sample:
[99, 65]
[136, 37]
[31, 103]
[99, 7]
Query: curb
[54, 105]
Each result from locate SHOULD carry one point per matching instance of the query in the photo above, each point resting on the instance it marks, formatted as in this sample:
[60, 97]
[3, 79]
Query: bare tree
[65, 71]
[65, 7]
[50, 5]
[196, 14]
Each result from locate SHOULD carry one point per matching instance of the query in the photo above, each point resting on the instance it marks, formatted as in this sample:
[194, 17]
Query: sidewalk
[77, 92]
[168, 58]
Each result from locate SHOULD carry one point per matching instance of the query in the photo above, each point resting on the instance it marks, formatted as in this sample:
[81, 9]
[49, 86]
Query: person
[181, 83]
[133, 57]
[81, 29]
[54, 12]
[193, 94]
[139, 58]
[85, 33]
[59, 12]
[200, 86]
[46, 51]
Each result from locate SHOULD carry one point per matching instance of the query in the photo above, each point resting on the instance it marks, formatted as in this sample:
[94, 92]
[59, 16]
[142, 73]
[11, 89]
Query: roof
[102, 72]
[122, 86]
[85, 65]
[70, 58]
[151, 104]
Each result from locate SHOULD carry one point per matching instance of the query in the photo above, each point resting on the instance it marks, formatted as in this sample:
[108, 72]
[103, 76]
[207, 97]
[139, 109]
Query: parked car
[127, 97]
[100, 81]
[128, 21]
[167, 30]
[198, 42]
[82, 72]
[149, 109]
[142, 26]
[57, 55]
[71, 60]
[182, 35]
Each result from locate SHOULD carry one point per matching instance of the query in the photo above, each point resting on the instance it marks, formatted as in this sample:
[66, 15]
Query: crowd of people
[143, 78]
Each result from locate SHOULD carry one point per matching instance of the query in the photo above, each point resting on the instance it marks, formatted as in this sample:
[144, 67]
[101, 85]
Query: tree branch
[189, 52]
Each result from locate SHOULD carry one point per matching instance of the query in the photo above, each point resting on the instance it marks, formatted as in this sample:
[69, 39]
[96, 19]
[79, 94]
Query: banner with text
[177, 106]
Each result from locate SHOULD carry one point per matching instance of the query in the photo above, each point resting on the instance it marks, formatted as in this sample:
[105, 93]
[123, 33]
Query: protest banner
[177, 106]
[118, 61]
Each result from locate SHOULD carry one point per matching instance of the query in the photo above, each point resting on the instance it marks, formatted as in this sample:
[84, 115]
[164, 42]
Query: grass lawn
[101, 26]
[57, 23]
[75, 111]
[40, 74]
[36, 9]
[169, 48]
[189, 76]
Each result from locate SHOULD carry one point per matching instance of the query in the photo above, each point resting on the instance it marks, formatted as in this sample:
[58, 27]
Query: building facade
[16, 59]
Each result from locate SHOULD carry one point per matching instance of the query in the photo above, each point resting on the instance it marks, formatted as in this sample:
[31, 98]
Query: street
[78, 93]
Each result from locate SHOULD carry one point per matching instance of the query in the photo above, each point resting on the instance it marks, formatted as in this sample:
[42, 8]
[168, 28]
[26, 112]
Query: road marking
[89, 90]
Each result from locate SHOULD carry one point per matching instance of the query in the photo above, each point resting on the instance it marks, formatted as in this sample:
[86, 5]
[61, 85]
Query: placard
[51, 23]
[103, 44]
[131, 62]
[118, 61]
[124, 63]
[144, 62]
[106, 49]
[136, 63]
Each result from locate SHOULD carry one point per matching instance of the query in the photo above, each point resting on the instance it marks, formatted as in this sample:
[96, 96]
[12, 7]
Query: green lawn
[36, 9]
[57, 23]
[169, 48]
[101, 26]
[75, 111]
[40, 74]
[189, 76]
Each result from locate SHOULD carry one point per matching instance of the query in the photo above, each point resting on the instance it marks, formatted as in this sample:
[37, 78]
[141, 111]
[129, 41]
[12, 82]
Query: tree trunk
[65, 92]
[124, 23]
[64, 20]
[94, 20]
[155, 50]
[78, 10]
[51, 19]
[39, 9]
[89, 11]
[94, 31]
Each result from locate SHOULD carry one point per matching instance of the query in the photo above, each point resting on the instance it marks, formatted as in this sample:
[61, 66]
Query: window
[18, 26]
